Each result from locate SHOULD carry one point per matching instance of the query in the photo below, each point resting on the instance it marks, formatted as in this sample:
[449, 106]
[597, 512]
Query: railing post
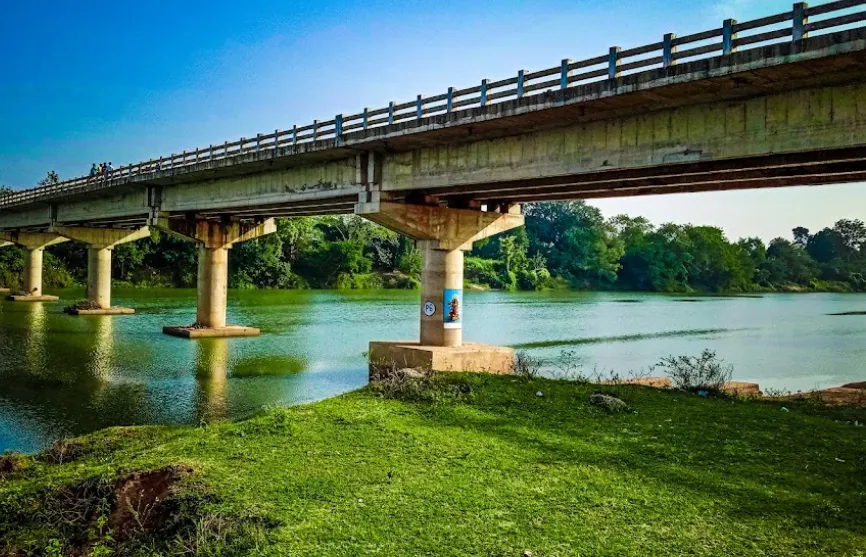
[484, 92]
[196, 155]
[210, 153]
[241, 146]
[449, 101]
[295, 134]
[419, 106]
[668, 50]
[338, 127]
[315, 130]
[728, 36]
[563, 74]
[366, 119]
[800, 21]
[390, 113]
[613, 62]
[258, 142]
[226, 150]
[183, 160]
[520, 84]
[276, 139]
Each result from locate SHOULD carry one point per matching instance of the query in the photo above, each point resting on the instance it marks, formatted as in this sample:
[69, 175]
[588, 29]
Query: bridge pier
[443, 235]
[35, 244]
[214, 239]
[100, 243]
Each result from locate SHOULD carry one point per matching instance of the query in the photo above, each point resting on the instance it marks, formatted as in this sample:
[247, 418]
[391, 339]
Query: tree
[50, 179]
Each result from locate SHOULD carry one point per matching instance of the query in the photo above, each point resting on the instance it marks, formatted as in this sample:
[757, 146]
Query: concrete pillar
[99, 276]
[443, 234]
[214, 240]
[213, 278]
[33, 272]
[100, 242]
[441, 296]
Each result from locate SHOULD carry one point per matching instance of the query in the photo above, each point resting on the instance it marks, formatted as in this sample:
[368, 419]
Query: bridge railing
[794, 25]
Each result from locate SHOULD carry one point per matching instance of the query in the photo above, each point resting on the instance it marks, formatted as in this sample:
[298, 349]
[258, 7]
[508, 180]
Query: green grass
[500, 471]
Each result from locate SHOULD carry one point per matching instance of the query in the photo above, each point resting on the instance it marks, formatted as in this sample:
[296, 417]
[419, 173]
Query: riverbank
[475, 465]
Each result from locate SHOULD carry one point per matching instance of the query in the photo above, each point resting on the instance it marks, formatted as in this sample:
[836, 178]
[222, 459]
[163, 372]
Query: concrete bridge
[778, 101]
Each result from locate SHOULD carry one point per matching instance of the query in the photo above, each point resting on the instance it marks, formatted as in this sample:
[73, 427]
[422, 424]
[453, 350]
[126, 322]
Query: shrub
[702, 373]
[526, 366]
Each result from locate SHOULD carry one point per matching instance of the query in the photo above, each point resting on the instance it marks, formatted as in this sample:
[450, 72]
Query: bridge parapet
[376, 124]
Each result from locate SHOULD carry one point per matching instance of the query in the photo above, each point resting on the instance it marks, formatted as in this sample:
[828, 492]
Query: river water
[63, 375]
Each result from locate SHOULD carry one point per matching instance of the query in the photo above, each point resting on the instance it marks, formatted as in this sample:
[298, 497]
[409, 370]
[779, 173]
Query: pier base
[32, 298]
[472, 357]
[212, 332]
[102, 311]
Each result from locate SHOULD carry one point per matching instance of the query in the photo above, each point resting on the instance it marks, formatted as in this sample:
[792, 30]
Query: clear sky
[127, 81]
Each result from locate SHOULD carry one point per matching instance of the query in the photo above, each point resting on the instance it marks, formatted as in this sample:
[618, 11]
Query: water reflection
[35, 339]
[102, 354]
[211, 373]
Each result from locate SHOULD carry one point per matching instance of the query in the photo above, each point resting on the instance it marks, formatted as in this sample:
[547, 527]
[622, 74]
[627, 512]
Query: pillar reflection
[35, 339]
[102, 355]
[211, 371]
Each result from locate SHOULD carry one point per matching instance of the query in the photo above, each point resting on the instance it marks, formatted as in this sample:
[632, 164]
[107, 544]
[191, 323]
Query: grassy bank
[478, 465]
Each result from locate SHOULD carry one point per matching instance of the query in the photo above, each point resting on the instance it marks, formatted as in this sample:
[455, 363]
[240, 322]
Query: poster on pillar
[453, 308]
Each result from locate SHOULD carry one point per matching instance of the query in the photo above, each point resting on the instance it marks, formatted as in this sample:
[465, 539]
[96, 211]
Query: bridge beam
[101, 242]
[214, 240]
[35, 244]
[443, 234]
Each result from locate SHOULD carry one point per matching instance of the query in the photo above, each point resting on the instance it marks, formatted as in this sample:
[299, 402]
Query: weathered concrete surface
[470, 357]
[213, 278]
[213, 332]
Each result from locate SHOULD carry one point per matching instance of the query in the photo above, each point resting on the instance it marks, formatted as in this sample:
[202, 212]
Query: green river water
[63, 375]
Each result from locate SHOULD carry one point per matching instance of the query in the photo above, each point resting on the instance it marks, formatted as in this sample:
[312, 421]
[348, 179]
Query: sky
[128, 81]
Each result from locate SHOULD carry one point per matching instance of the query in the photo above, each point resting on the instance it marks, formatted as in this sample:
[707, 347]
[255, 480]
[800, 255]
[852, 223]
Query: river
[63, 375]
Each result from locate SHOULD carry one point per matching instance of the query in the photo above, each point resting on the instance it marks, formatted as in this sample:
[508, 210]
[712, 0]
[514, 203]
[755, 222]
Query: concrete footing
[468, 357]
[212, 332]
[102, 311]
[32, 298]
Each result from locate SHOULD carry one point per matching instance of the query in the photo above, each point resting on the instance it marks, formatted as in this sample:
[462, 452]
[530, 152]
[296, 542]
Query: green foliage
[564, 244]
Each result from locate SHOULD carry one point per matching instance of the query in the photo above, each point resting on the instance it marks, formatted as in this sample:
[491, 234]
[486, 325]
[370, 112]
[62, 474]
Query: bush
[702, 373]
[526, 366]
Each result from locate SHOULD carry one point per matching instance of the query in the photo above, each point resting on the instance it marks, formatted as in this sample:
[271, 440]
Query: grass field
[476, 465]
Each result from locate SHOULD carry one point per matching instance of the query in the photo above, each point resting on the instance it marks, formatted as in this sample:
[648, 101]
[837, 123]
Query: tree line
[563, 245]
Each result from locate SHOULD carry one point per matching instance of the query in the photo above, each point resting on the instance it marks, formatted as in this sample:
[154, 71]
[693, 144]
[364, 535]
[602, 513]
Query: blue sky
[125, 81]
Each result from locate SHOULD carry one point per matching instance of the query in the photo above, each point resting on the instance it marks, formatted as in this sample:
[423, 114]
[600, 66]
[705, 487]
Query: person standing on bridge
[109, 168]
[93, 170]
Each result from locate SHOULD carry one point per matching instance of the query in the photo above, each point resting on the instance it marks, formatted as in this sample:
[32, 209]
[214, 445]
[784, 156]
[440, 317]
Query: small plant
[526, 366]
[82, 305]
[702, 373]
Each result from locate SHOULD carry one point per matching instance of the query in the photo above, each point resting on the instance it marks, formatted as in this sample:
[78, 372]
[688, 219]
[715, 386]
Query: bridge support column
[443, 235]
[214, 239]
[3, 244]
[101, 242]
[35, 244]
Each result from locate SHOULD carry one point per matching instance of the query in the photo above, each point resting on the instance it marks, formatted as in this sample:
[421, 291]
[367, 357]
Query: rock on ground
[609, 403]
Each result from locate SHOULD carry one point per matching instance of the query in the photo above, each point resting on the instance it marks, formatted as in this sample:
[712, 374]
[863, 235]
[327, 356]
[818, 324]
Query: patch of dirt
[11, 464]
[861, 385]
[62, 451]
[140, 502]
